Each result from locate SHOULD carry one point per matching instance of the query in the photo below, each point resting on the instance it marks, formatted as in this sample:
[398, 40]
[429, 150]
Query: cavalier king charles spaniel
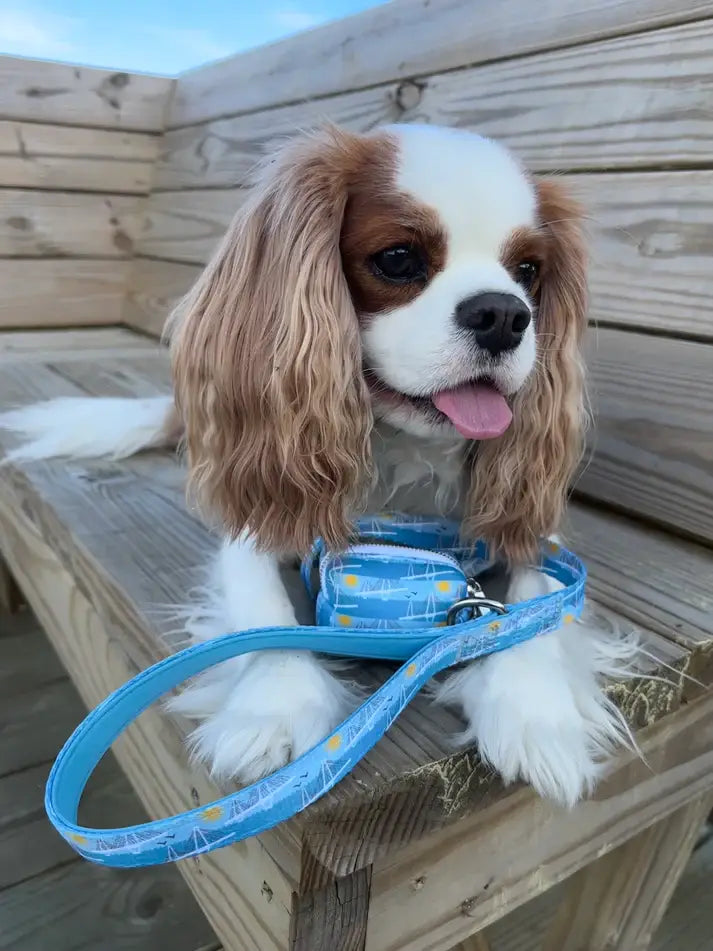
[392, 320]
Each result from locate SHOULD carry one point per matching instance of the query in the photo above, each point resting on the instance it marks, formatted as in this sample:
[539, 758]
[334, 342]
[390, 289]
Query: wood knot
[266, 891]
[418, 883]
[408, 94]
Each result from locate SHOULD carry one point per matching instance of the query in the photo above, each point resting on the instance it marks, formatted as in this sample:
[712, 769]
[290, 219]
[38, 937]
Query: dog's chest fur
[418, 476]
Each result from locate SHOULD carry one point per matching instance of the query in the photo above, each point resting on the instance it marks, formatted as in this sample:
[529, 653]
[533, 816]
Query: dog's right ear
[267, 360]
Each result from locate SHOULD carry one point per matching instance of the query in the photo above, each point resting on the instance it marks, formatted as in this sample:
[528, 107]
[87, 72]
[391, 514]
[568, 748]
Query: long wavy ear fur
[267, 360]
[519, 482]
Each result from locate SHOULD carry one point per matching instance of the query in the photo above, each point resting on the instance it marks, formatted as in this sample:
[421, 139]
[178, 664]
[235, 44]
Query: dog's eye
[402, 264]
[526, 274]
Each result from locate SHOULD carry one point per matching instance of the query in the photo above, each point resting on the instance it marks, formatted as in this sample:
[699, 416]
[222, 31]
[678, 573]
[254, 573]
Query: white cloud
[293, 19]
[36, 33]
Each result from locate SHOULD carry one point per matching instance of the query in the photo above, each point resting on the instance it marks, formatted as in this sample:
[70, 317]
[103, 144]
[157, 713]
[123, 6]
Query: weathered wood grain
[32, 140]
[638, 114]
[455, 882]
[27, 662]
[78, 95]
[333, 916]
[402, 39]
[62, 292]
[644, 574]
[40, 155]
[653, 443]
[30, 845]
[57, 345]
[34, 726]
[651, 243]
[618, 902]
[187, 225]
[63, 224]
[100, 908]
[651, 249]
[228, 883]
[153, 289]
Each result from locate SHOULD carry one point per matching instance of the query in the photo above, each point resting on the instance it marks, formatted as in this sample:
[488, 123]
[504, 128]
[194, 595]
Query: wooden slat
[617, 903]
[34, 729]
[687, 924]
[661, 583]
[58, 345]
[447, 885]
[39, 155]
[651, 242]
[653, 443]
[102, 909]
[26, 659]
[647, 103]
[154, 286]
[187, 225]
[62, 292]
[651, 249]
[405, 38]
[78, 95]
[65, 224]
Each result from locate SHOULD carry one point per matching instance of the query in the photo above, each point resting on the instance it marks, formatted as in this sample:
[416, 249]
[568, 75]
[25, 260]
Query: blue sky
[159, 36]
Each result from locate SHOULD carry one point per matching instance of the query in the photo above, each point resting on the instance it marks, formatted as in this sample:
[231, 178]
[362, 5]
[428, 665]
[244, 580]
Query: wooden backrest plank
[66, 224]
[402, 39]
[79, 95]
[652, 448]
[43, 155]
[62, 292]
[534, 105]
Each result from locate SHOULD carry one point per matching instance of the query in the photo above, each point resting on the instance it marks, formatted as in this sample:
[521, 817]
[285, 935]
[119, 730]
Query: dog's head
[417, 275]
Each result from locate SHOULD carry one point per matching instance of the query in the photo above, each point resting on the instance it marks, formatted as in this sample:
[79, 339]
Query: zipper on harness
[375, 548]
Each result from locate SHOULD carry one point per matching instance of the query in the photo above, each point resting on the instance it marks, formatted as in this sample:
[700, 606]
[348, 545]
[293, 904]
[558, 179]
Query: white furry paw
[260, 715]
[537, 712]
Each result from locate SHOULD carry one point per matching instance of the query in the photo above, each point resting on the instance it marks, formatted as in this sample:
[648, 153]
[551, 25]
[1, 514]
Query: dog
[393, 320]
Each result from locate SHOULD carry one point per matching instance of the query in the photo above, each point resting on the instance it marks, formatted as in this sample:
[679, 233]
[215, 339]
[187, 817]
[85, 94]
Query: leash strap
[291, 789]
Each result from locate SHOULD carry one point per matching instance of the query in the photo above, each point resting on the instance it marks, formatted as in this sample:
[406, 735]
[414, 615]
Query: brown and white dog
[393, 319]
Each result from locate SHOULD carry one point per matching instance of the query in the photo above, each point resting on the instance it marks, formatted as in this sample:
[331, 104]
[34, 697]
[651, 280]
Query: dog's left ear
[520, 481]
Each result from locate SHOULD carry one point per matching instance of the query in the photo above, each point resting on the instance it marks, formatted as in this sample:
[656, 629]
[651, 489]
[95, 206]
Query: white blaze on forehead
[477, 187]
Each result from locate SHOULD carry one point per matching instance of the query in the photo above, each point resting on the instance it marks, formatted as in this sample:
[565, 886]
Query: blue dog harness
[406, 591]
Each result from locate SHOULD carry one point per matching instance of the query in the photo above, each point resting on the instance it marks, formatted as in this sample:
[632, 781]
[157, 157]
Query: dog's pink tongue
[476, 410]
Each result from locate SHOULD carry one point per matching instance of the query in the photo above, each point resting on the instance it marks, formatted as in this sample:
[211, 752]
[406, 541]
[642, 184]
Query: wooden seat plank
[134, 548]
[102, 547]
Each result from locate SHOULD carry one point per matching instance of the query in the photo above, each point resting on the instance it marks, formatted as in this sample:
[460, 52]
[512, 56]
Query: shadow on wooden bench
[419, 847]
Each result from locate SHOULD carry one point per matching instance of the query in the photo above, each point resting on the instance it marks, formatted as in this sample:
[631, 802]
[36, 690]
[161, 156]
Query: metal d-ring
[477, 604]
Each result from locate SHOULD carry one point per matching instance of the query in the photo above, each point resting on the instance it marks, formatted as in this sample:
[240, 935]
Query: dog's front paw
[281, 705]
[537, 713]
[554, 758]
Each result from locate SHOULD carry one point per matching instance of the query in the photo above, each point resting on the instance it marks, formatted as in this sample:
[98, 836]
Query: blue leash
[343, 579]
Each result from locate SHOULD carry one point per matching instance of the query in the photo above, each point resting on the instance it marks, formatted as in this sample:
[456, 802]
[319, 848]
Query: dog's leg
[538, 711]
[261, 710]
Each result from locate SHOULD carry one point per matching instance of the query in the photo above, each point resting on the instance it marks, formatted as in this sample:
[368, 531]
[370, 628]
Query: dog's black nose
[497, 320]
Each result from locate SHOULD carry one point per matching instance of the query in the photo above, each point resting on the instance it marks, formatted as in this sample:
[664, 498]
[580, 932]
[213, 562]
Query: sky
[156, 36]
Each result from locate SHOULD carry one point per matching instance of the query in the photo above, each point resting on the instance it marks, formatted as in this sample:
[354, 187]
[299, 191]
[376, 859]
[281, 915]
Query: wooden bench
[420, 849]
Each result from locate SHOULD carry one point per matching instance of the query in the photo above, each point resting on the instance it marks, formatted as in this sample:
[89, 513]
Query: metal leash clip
[476, 601]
